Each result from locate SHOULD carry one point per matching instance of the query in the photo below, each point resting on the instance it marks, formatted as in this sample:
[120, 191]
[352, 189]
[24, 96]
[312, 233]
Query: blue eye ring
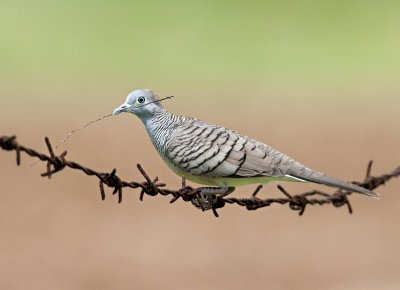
[141, 100]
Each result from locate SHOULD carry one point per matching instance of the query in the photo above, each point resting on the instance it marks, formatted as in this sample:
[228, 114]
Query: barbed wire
[153, 187]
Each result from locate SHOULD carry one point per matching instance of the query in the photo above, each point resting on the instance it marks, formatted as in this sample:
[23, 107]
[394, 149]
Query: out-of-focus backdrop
[318, 80]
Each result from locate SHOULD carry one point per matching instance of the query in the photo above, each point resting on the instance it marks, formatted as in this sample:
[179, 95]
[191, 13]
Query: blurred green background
[318, 80]
[215, 44]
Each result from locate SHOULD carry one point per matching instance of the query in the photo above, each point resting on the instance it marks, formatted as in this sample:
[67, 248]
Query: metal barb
[369, 168]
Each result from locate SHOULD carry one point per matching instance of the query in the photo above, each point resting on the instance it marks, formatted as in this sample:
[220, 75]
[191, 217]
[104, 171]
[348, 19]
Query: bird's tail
[321, 178]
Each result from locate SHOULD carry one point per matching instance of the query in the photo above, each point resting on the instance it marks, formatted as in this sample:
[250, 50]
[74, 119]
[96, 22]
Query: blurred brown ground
[58, 234]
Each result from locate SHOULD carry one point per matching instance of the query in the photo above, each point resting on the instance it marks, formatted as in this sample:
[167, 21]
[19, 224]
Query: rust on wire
[297, 202]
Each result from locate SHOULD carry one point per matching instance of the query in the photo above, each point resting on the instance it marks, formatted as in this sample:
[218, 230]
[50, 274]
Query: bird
[215, 156]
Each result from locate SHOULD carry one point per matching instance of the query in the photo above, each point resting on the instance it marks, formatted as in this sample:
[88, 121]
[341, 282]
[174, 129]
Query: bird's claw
[204, 201]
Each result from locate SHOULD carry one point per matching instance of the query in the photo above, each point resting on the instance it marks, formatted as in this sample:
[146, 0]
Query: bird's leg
[208, 196]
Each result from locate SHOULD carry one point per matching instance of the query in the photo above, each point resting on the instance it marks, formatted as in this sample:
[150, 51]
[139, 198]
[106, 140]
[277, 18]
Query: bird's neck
[159, 127]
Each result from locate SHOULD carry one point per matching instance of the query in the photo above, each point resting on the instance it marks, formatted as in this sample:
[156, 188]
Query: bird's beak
[120, 109]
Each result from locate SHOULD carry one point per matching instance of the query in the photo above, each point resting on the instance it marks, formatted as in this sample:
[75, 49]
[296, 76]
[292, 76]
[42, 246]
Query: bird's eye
[141, 100]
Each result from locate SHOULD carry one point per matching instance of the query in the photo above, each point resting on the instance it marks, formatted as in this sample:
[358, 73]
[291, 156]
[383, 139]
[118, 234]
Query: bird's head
[142, 102]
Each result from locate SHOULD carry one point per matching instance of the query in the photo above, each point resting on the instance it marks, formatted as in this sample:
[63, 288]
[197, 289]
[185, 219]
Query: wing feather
[203, 149]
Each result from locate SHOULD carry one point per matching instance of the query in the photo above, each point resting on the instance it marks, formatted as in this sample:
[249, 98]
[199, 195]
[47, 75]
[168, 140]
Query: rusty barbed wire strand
[297, 202]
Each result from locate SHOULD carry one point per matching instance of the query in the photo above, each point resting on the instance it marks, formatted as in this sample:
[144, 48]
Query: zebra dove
[216, 156]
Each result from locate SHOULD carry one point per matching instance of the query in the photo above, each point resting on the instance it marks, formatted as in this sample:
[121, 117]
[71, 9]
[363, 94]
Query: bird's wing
[209, 150]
